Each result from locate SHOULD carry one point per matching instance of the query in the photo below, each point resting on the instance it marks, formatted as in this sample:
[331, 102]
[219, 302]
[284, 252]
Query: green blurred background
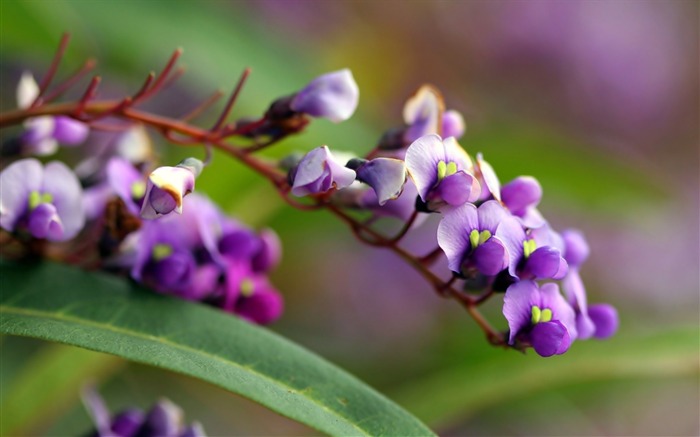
[598, 100]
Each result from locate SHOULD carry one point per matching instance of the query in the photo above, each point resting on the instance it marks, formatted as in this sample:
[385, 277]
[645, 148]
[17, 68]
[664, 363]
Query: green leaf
[104, 313]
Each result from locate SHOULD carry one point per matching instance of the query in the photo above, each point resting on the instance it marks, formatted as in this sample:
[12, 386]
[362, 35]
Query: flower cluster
[147, 222]
[164, 419]
[493, 236]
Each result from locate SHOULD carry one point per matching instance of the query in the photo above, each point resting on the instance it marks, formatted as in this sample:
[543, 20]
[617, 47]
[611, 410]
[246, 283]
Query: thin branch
[87, 96]
[144, 88]
[70, 81]
[53, 68]
[232, 99]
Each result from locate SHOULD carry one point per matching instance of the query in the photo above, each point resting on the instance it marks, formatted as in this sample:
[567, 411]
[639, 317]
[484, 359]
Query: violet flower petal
[240, 245]
[63, 185]
[194, 430]
[163, 420]
[318, 172]
[561, 309]
[605, 319]
[491, 214]
[490, 184]
[122, 177]
[545, 263]
[69, 132]
[453, 234]
[511, 232]
[459, 188]
[44, 222]
[520, 194]
[422, 158]
[421, 113]
[517, 306]
[453, 124]
[264, 306]
[491, 256]
[550, 338]
[577, 249]
[270, 252]
[127, 423]
[387, 176]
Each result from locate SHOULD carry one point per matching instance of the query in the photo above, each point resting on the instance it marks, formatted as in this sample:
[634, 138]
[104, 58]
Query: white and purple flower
[318, 172]
[473, 238]
[167, 186]
[442, 172]
[46, 201]
[44, 134]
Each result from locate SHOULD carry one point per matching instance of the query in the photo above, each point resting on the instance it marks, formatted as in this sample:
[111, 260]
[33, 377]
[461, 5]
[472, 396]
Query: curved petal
[122, 176]
[422, 113]
[64, 187]
[16, 182]
[549, 338]
[577, 249]
[44, 222]
[561, 310]
[163, 419]
[488, 177]
[69, 132]
[491, 214]
[270, 251]
[27, 90]
[520, 194]
[517, 306]
[544, 263]
[511, 232]
[333, 95]
[491, 257]
[422, 158]
[605, 319]
[458, 188]
[386, 176]
[453, 234]
[453, 124]
[454, 152]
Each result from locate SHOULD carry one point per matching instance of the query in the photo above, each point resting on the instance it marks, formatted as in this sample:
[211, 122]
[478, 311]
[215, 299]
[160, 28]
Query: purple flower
[167, 186]
[473, 240]
[250, 295]
[539, 316]
[531, 257]
[453, 124]
[422, 113]
[441, 171]
[600, 320]
[45, 201]
[401, 208]
[319, 171]
[521, 196]
[43, 134]
[386, 176]
[333, 96]
[164, 419]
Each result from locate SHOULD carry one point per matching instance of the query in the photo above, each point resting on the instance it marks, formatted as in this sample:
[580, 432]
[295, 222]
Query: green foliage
[98, 312]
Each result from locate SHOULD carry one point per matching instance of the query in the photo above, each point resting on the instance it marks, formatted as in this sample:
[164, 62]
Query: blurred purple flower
[164, 419]
[45, 201]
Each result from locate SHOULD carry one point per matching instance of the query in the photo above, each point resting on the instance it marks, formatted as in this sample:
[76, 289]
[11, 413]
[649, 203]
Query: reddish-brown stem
[432, 256]
[144, 87]
[53, 68]
[202, 106]
[163, 75]
[231, 100]
[87, 96]
[70, 81]
[406, 227]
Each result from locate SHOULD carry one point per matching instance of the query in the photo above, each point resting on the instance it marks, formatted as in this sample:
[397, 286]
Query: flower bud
[333, 96]
[167, 186]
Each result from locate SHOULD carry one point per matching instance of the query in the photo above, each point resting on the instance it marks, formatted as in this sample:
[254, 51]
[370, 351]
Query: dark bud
[356, 163]
[422, 206]
[503, 281]
[392, 139]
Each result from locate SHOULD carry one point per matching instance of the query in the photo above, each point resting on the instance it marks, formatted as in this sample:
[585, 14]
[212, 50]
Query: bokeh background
[598, 100]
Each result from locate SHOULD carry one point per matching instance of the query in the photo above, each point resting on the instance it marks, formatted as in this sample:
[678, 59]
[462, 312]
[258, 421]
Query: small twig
[87, 96]
[163, 75]
[144, 88]
[53, 68]
[70, 81]
[232, 99]
[406, 227]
